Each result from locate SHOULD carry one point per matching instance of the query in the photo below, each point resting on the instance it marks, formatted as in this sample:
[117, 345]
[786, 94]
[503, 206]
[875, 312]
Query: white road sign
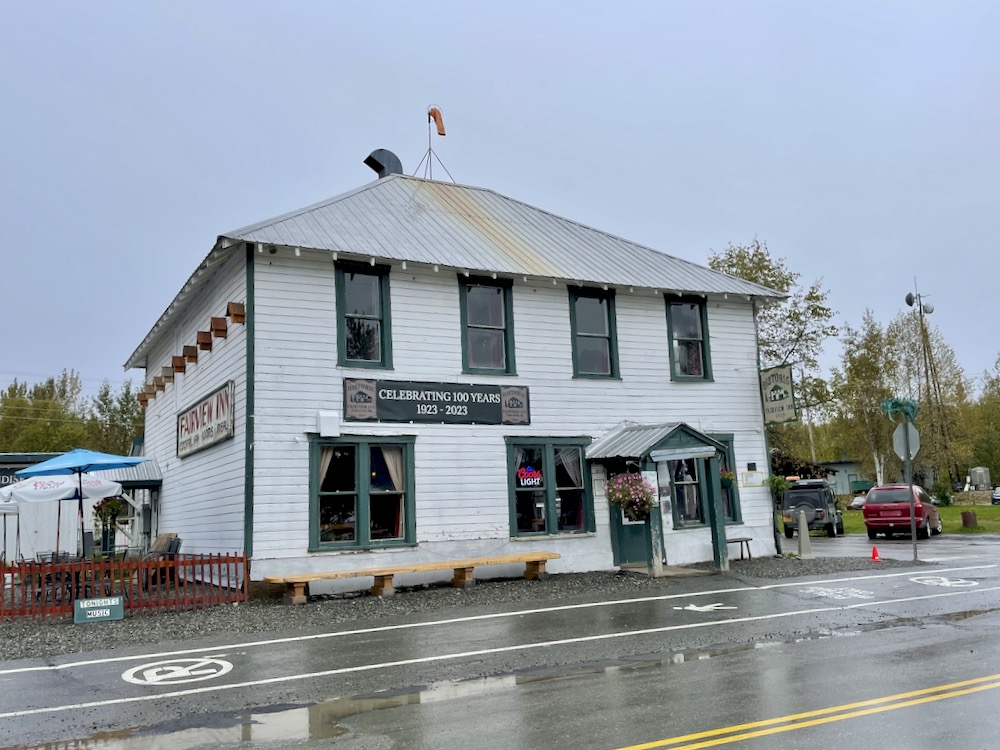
[899, 440]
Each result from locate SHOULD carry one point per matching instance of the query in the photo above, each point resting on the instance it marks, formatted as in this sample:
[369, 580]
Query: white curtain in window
[518, 457]
[570, 459]
[325, 458]
[394, 463]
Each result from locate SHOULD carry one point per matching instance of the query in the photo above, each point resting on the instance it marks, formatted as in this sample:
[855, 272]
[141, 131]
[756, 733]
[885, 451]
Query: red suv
[887, 511]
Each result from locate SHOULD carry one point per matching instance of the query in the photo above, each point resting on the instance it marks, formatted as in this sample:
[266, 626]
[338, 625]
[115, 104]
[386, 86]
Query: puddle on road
[274, 724]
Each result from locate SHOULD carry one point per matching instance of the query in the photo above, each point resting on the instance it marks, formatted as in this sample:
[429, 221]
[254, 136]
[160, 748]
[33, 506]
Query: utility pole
[939, 428]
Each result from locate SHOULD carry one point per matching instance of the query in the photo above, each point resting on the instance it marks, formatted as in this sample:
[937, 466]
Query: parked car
[857, 501]
[995, 497]
[887, 511]
[815, 498]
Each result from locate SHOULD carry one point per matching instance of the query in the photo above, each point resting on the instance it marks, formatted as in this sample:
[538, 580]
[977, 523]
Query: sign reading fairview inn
[443, 403]
[207, 422]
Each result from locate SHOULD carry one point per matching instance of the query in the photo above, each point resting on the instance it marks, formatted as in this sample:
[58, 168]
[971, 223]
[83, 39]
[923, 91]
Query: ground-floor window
[691, 488]
[549, 486]
[363, 492]
[730, 494]
[688, 492]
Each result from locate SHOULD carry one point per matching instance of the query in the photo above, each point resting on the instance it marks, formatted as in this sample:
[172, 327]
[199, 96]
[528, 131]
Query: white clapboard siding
[461, 471]
[202, 497]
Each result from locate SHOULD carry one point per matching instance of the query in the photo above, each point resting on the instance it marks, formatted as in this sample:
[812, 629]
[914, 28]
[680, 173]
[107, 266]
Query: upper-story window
[363, 320]
[595, 339]
[687, 327]
[487, 326]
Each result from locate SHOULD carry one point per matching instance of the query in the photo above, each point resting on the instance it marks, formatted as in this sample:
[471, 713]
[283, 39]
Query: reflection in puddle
[282, 724]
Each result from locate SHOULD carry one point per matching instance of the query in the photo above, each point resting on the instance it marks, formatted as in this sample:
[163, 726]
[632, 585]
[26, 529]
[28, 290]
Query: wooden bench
[744, 542]
[296, 583]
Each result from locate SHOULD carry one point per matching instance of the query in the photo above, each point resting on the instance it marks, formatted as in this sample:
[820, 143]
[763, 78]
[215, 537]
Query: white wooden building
[419, 370]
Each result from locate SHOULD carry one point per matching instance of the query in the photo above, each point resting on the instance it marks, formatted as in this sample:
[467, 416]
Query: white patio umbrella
[78, 462]
[43, 489]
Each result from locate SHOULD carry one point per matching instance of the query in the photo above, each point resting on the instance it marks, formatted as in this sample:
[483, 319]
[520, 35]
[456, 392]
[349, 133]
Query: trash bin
[969, 519]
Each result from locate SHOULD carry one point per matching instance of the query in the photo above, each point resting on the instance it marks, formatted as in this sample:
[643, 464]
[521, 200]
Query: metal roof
[630, 440]
[146, 473]
[459, 227]
[456, 226]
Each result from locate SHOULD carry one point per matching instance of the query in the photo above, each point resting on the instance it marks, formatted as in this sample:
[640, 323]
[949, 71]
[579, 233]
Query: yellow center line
[765, 727]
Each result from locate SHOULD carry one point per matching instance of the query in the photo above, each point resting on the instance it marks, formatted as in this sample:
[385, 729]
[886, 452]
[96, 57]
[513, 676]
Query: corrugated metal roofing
[630, 440]
[456, 226]
[148, 472]
[467, 228]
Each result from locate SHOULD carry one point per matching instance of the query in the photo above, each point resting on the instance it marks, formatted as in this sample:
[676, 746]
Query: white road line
[470, 654]
[471, 618]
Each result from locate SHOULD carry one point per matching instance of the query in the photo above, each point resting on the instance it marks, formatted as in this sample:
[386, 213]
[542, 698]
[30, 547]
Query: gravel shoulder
[266, 616]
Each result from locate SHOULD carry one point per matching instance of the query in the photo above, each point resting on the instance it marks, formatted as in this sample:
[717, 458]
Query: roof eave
[201, 275]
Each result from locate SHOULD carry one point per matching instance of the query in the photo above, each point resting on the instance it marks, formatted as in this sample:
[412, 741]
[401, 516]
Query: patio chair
[165, 548]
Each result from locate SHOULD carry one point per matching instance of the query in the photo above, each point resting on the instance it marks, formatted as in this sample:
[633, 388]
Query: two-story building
[418, 370]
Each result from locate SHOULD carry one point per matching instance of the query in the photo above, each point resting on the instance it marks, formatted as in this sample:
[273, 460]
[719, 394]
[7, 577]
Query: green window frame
[690, 482]
[549, 487]
[731, 510]
[487, 315]
[362, 492]
[364, 319]
[594, 332]
[689, 491]
[687, 333]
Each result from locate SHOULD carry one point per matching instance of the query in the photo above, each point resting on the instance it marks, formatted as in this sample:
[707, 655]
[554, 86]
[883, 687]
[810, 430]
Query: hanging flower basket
[727, 478]
[107, 510]
[632, 494]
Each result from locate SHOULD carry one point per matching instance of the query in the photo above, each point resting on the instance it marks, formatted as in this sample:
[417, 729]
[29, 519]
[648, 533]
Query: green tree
[865, 378]
[929, 373]
[792, 332]
[45, 417]
[984, 423]
[53, 417]
[114, 419]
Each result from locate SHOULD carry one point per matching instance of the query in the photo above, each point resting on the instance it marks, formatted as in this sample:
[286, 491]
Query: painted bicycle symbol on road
[177, 671]
[943, 581]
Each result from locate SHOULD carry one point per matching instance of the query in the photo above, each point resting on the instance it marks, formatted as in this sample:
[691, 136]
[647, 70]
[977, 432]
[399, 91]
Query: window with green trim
[363, 492]
[595, 338]
[363, 320]
[730, 493]
[689, 492]
[487, 326]
[690, 481]
[687, 327]
[549, 486]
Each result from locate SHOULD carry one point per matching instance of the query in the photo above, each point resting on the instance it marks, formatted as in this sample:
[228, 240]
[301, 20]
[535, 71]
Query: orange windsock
[433, 113]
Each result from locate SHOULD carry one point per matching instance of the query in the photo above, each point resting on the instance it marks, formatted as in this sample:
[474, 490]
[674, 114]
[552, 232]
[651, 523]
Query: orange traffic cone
[875, 557]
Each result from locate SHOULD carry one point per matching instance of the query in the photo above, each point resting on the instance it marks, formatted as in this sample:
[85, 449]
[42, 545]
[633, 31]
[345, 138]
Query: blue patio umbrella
[79, 461]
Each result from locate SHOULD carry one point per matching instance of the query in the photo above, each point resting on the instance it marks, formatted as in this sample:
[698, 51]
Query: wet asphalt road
[716, 654]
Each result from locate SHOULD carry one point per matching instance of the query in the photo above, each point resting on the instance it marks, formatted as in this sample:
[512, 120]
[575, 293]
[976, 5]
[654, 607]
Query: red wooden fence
[38, 590]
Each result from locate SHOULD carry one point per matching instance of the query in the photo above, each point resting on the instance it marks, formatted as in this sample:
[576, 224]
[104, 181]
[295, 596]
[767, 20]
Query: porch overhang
[670, 441]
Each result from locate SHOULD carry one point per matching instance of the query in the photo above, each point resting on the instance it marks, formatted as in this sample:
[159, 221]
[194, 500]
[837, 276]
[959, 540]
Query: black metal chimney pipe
[384, 162]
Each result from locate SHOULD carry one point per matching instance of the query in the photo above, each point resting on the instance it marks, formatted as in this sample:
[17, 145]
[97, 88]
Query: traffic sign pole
[909, 478]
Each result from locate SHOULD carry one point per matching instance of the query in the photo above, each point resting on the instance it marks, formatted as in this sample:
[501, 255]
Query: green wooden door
[632, 543]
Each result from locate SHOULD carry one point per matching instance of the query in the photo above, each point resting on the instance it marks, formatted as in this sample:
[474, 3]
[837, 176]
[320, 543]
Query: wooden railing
[39, 590]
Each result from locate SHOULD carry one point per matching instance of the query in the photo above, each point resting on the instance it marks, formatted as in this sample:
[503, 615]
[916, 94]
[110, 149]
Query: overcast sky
[858, 140]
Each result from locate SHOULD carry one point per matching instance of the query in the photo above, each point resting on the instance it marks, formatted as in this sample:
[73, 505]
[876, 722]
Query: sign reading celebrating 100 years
[448, 403]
